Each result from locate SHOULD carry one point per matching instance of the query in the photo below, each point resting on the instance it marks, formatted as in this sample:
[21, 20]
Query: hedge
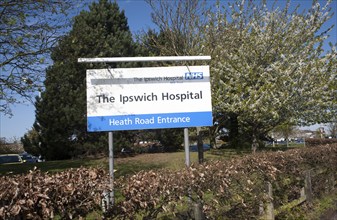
[231, 189]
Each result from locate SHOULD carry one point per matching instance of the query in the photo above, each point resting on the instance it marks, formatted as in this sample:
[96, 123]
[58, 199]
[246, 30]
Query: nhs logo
[194, 75]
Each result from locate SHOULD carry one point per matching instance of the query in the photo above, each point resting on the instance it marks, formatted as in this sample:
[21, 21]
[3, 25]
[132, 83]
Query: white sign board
[148, 98]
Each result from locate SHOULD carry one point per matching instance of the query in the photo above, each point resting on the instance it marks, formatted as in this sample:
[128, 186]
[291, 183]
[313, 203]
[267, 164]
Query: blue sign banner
[149, 121]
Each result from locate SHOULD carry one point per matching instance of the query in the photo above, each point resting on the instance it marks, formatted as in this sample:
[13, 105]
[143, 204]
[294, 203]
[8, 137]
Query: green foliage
[171, 139]
[30, 142]
[61, 112]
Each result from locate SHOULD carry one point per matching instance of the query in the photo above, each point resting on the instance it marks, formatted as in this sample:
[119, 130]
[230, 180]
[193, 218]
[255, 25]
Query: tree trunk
[212, 137]
[200, 146]
[234, 131]
[254, 144]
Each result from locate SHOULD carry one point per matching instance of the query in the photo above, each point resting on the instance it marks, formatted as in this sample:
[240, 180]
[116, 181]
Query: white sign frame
[148, 98]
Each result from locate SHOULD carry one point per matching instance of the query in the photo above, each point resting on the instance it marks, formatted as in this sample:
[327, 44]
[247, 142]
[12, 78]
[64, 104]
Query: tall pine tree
[61, 111]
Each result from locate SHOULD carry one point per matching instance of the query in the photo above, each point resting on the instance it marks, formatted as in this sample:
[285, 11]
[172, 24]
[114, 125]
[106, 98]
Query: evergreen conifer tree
[61, 110]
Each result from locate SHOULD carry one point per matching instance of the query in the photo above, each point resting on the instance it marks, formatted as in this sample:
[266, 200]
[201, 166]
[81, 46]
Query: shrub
[226, 189]
[37, 195]
[313, 142]
[232, 189]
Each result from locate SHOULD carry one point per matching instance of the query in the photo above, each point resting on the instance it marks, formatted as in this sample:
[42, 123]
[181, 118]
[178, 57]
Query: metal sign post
[111, 169]
[187, 147]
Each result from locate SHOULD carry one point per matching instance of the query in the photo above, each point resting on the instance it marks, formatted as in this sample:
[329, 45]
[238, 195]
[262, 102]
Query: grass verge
[124, 166]
[324, 208]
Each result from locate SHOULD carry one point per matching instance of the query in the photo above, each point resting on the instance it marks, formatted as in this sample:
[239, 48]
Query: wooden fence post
[268, 212]
[308, 186]
[270, 204]
[198, 212]
[331, 182]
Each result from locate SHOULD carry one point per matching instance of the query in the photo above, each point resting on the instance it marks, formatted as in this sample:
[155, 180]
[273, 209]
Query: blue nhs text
[194, 75]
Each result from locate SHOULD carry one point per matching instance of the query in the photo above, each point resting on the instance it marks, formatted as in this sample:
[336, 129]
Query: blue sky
[13, 128]
[139, 17]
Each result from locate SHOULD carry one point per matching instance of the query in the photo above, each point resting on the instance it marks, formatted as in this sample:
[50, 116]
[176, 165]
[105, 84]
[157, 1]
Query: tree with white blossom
[269, 66]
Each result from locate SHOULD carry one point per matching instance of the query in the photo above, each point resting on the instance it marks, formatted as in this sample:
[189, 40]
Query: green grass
[130, 165]
[173, 161]
[48, 166]
[318, 209]
[124, 166]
